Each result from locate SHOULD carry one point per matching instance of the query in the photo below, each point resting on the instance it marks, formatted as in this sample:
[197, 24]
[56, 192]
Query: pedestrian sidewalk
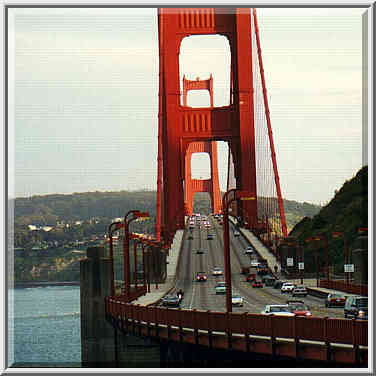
[155, 293]
[260, 248]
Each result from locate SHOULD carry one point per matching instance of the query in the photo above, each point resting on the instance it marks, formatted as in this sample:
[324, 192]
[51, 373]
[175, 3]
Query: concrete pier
[101, 344]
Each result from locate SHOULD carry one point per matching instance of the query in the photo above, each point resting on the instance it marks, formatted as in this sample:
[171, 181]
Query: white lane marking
[193, 294]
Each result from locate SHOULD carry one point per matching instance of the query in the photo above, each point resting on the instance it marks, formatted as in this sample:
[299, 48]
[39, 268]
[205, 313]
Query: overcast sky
[83, 98]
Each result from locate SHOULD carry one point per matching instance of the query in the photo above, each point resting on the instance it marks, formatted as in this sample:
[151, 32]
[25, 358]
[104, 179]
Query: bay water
[44, 327]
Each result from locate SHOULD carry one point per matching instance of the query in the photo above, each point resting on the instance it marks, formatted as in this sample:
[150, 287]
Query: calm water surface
[45, 329]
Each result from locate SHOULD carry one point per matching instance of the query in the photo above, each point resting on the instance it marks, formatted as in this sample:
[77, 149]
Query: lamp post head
[141, 215]
[244, 195]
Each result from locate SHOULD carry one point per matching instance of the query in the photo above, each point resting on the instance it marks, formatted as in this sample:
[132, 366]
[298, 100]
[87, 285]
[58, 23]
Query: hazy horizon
[83, 98]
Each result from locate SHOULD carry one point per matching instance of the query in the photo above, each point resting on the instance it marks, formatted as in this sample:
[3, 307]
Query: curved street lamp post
[136, 215]
[111, 229]
[316, 239]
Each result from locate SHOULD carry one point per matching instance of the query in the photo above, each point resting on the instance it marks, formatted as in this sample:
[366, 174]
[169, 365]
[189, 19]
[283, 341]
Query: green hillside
[50, 209]
[346, 213]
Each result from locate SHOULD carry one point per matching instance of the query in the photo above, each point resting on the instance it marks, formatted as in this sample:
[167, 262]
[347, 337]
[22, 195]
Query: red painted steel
[179, 125]
[211, 185]
[198, 85]
[341, 331]
[343, 286]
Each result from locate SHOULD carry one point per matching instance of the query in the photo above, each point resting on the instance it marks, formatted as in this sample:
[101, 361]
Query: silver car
[237, 300]
[277, 310]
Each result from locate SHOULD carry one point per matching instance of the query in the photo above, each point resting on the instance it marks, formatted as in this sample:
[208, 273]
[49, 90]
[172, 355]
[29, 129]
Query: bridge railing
[328, 330]
[343, 286]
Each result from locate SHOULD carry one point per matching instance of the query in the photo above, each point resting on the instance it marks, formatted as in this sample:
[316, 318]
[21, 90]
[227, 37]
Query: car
[249, 250]
[251, 277]
[268, 280]
[210, 236]
[262, 270]
[257, 284]
[245, 270]
[237, 300]
[356, 307]
[278, 284]
[255, 263]
[217, 271]
[171, 301]
[299, 308]
[220, 288]
[201, 277]
[236, 233]
[335, 300]
[199, 251]
[277, 310]
[299, 291]
[287, 287]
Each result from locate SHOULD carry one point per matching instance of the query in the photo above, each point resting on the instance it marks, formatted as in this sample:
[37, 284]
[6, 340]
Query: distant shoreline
[45, 284]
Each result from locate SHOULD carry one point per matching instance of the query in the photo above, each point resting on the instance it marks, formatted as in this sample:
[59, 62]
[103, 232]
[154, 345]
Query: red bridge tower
[180, 126]
[211, 185]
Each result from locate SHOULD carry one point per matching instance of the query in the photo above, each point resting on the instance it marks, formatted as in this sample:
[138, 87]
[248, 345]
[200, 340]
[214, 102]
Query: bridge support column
[103, 344]
[97, 336]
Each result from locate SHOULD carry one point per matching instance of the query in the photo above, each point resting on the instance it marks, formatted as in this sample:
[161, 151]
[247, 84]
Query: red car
[299, 308]
[335, 300]
[201, 277]
[251, 278]
[257, 284]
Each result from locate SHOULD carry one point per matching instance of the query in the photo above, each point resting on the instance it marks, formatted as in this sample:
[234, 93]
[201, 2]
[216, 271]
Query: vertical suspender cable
[267, 113]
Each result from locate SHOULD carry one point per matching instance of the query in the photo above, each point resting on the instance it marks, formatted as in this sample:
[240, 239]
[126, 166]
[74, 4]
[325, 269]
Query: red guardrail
[333, 330]
[343, 286]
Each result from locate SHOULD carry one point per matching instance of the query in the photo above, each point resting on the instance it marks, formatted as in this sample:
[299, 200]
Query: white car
[255, 263]
[237, 300]
[277, 310]
[236, 233]
[287, 287]
[249, 250]
[217, 271]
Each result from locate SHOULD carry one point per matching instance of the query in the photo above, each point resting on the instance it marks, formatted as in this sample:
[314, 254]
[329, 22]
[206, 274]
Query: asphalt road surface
[201, 295]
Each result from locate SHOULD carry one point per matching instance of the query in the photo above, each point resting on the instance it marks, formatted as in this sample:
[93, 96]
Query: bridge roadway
[201, 295]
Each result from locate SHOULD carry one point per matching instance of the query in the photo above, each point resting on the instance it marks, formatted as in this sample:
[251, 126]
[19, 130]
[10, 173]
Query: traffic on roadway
[201, 281]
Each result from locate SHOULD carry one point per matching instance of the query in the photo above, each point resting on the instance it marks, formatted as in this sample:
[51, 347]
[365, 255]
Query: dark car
[356, 307]
[201, 277]
[171, 301]
[268, 280]
[199, 251]
[278, 284]
[257, 284]
[335, 300]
